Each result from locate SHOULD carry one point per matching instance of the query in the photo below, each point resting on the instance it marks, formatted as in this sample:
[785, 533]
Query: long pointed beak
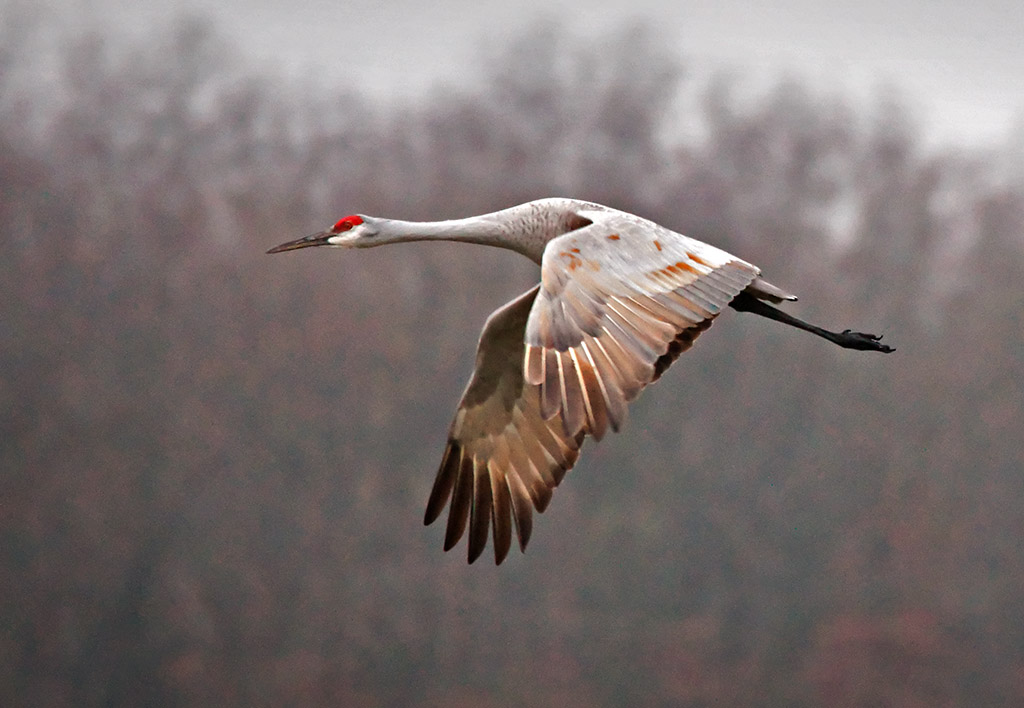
[319, 239]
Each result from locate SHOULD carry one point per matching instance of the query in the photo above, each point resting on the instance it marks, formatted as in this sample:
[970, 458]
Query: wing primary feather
[569, 457]
[682, 298]
[601, 357]
[542, 494]
[514, 496]
[549, 453]
[481, 510]
[573, 416]
[697, 296]
[647, 320]
[522, 510]
[715, 292]
[592, 392]
[533, 365]
[551, 390]
[733, 278]
[614, 403]
[633, 371]
[636, 324]
[681, 343]
[532, 475]
[520, 439]
[561, 334]
[501, 512]
[587, 318]
[658, 309]
[739, 275]
[462, 499]
[714, 285]
[532, 435]
[447, 473]
[549, 436]
[672, 304]
[628, 342]
[647, 344]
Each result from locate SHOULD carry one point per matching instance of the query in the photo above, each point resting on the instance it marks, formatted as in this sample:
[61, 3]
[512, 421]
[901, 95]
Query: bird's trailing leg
[745, 302]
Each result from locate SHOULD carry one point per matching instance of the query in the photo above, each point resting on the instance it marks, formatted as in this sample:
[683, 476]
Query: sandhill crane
[620, 299]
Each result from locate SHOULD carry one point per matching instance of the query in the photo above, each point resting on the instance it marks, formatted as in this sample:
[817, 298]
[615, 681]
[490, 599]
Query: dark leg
[744, 302]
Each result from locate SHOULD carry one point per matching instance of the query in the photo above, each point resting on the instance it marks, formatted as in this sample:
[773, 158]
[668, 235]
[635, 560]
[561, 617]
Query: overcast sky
[959, 64]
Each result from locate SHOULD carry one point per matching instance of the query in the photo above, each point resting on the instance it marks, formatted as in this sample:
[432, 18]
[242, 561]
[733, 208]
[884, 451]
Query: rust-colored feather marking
[697, 259]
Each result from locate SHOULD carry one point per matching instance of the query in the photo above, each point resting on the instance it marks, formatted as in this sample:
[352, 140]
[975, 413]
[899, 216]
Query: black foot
[862, 341]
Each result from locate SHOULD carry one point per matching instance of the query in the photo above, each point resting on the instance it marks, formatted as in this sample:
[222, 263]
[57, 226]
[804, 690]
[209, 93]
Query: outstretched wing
[620, 299]
[503, 458]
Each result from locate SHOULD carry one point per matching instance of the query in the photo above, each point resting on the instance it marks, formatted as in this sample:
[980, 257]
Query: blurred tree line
[214, 463]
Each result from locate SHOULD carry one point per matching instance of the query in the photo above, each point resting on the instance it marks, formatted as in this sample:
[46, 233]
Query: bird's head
[355, 231]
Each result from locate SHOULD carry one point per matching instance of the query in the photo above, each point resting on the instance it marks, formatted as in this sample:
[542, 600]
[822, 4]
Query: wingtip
[475, 548]
[444, 483]
[524, 536]
[542, 500]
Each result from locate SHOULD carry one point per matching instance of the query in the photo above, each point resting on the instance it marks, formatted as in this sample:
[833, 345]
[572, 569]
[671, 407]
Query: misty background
[214, 463]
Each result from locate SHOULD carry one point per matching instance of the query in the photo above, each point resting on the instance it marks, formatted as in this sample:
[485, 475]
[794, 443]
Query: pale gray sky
[959, 64]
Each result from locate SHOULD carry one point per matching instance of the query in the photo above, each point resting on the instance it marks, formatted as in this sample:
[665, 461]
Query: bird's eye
[347, 223]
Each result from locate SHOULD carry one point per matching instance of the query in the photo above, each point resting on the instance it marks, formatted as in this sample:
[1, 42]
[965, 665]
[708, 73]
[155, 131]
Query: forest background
[213, 463]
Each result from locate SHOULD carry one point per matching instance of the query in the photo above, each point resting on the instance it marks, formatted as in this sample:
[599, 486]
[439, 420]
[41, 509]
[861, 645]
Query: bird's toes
[865, 342]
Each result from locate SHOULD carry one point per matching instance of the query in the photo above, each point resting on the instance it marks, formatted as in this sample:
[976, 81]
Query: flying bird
[619, 299]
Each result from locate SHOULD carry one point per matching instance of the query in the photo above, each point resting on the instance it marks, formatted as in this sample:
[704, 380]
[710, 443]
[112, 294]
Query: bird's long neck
[516, 229]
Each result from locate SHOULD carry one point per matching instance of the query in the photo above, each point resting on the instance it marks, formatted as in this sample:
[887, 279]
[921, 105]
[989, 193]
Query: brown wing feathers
[498, 491]
[528, 407]
[503, 458]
